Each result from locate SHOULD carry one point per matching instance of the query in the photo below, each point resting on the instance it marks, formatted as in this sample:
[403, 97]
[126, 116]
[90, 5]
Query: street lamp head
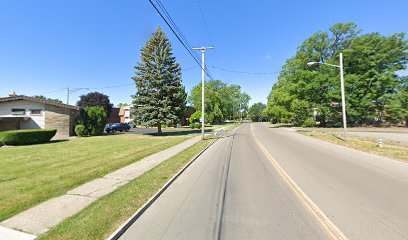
[312, 63]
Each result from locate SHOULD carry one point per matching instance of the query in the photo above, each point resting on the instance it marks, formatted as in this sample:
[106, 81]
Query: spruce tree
[160, 97]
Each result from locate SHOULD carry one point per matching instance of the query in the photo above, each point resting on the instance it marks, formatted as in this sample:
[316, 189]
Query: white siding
[35, 121]
[128, 115]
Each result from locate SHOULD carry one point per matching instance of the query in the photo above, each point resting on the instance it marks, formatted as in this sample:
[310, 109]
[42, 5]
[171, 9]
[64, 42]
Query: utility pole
[202, 49]
[240, 113]
[67, 95]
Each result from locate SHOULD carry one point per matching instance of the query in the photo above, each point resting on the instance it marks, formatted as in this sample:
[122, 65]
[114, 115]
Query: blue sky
[46, 46]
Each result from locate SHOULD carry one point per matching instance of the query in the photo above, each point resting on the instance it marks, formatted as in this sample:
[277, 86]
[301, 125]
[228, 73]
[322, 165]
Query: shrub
[195, 117]
[308, 122]
[26, 137]
[93, 119]
[195, 125]
[80, 130]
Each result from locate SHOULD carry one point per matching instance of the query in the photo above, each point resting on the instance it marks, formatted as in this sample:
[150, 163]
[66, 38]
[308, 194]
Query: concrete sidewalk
[39, 219]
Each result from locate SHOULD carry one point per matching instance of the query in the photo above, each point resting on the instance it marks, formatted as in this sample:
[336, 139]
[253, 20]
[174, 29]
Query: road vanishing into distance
[261, 182]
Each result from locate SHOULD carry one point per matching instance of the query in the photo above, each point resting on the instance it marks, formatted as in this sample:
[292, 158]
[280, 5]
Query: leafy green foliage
[93, 99]
[397, 110]
[27, 137]
[221, 101]
[195, 125]
[160, 97]
[256, 112]
[196, 117]
[50, 99]
[93, 119]
[372, 86]
[80, 130]
[310, 122]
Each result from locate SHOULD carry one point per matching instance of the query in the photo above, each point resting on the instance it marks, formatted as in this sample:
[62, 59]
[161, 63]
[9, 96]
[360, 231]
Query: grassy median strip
[104, 216]
[390, 149]
[32, 174]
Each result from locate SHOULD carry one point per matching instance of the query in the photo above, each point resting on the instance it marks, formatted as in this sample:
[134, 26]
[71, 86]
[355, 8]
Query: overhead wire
[176, 31]
[209, 34]
[243, 72]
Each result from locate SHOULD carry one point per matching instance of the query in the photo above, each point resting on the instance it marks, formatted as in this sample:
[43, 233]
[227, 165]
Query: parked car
[117, 127]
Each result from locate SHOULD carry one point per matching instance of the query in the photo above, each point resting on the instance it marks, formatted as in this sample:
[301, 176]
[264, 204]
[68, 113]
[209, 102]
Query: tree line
[375, 93]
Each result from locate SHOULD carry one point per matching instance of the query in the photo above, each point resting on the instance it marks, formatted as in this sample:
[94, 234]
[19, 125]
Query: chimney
[12, 93]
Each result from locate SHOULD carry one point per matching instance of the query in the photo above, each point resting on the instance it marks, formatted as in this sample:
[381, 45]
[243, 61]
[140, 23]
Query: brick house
[23, 112]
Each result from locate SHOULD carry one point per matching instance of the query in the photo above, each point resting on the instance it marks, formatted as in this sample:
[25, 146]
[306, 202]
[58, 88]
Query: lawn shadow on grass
[34, 144]
[176, 133]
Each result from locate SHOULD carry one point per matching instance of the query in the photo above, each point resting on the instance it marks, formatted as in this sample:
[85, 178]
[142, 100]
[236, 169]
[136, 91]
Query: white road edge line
[122, 229]
[328, 226]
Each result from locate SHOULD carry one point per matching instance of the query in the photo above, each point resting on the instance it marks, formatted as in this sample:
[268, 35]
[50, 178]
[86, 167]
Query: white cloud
[268, 56]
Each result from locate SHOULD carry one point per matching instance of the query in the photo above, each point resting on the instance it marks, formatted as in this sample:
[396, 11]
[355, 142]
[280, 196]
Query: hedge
[26, 137]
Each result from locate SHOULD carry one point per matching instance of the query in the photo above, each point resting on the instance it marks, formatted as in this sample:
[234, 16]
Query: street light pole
[202, 49]
[343, 97]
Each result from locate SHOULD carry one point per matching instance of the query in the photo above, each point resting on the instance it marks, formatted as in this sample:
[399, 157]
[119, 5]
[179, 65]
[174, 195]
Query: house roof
[38, 100]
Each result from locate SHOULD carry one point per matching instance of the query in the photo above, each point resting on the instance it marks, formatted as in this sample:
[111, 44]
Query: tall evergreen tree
[160, 97]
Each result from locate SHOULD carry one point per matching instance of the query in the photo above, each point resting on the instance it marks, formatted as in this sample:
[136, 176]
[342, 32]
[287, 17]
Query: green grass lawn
[32, 174]
[105, 215]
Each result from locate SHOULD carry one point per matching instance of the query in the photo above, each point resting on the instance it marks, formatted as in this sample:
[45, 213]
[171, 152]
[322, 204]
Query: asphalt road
[230, 192]
[234, 191]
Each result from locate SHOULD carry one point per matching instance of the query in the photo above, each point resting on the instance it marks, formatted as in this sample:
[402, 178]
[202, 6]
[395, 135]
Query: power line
[186, 69]
[209, 33]
[179, 35]
[205, 22]
[122, 85]
[175, 26]
[242, 72]
[56, 90]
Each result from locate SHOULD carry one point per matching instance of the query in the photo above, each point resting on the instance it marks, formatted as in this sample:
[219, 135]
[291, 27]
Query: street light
[343, 98]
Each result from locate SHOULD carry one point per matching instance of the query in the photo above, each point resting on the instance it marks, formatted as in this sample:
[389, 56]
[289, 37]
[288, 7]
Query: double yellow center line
[328, 226]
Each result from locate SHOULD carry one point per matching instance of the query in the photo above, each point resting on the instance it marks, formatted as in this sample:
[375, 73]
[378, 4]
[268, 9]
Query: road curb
[122, 229]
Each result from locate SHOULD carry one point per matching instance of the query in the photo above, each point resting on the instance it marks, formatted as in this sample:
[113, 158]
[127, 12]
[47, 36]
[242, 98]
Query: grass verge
[105, 215]
[32, 174]
[390, 149]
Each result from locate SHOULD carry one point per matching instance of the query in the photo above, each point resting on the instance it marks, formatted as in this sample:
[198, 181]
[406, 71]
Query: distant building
[23, 112]
[125, 114]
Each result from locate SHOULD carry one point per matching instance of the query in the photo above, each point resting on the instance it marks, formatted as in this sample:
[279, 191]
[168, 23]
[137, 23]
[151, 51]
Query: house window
[18, 111]
[36, 112]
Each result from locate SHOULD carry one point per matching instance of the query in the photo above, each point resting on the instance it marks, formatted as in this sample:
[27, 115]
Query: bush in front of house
[80, 130]
[309, 122]
[93, 119]
[27, 137]
[195, 125]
